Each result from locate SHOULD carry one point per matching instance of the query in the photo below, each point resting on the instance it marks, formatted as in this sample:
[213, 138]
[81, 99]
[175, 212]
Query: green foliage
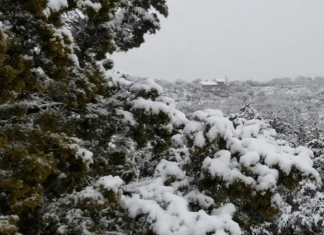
[80, 148]
[8, 225]
[57, 99]
[24, 196]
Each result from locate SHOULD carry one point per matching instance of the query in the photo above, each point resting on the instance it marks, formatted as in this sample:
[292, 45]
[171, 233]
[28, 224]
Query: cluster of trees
[300, 80]
[84, 151]
[284, 81]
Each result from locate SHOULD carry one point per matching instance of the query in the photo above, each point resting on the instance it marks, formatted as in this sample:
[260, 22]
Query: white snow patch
[66, 32]
[145, 84]
[199, 198]
[5, 26]
[84, 154]
[202, 115]
[56, 5]
[145, 15]
[250, 158]
[178, 118]
[166, 100]
[192, 127]
[277, 200]
[200, 140]
[87, 3]
[167, 168]
[151, 107]
[169, 213]
[128, 117]
[74, 59]
[178, 140]
[111, 183]
[89, 193]
[228, 208]
[223, 167]
[221, 126]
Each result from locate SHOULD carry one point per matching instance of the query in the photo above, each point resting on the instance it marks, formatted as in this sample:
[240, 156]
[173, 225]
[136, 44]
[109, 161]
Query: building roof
[208, 83]
[220, 80]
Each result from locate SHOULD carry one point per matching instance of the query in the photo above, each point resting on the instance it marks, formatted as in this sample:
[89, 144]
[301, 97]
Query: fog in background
[242, 39]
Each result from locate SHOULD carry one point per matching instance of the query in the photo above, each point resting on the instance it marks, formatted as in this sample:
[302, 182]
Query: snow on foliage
[202, 115]
[169, 214]
[110, 183]
[83, 154]
[204, 201]
[178, 140]
[166, 168]
[67, 33]
[146, 85]
[56, 5]
[209, 168]
[128, 117]
[222, 166]
[253, 145]
[251, 156]
[166, 100]
[146, 15]
[89, 193]
[250, 113]
[228, 208]
[110, 155]
[5, 26]
[87, 3]
[152, 107]
[118, 78]
[308, 214]
[8, 224]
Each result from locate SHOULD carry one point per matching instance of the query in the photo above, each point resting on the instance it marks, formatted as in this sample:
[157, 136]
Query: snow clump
[169, 213]
[84, 154]
[87, 3]
[146, 84]
[56, 5]
[110, 183]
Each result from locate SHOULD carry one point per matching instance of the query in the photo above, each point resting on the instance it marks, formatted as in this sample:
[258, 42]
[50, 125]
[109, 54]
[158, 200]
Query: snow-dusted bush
[85, 151]
[305, 215]
[166, 174]
[243, 165]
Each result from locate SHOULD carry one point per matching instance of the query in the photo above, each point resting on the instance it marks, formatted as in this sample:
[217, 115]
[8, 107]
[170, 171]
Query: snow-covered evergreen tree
[86, 151]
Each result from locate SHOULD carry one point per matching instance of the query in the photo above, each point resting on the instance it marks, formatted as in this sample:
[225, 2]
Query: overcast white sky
[242, 39]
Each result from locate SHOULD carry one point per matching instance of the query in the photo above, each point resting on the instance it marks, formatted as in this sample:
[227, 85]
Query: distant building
[213, 85]
[220, 81]
[208, 85]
